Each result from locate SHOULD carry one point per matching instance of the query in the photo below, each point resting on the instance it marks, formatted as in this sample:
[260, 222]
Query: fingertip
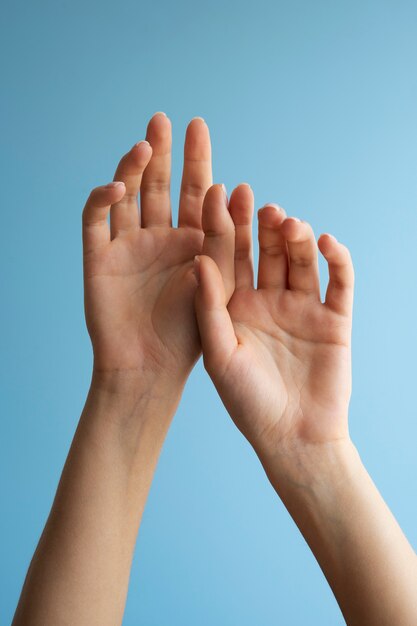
[329, 236]
[142, 145]
[115, 184]
[326, 242]
[205, 265]
[159, 131]
[209, 279]
[134, 161]
[197, 152]
[271, 215]
[339, 294]
[274, 205]
[160, 116]
[241, 204]
[290, 225]
[197, 121]
[335, 253]
[294, 229]
[106, 194]
[243, 188]
[197, 139]
[332, 249]
[119, 189]
[142, 153]
[242, 192]
[216, 193]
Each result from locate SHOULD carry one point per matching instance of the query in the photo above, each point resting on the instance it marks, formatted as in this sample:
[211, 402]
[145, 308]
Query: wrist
[134, 383]
[130, 412]
[308, 475]
[133, 394]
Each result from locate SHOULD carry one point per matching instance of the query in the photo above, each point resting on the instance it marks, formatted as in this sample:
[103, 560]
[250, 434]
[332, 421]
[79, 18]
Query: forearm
[80, 571]
[361, 549]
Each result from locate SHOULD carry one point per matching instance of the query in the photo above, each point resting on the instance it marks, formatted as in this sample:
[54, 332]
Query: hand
[279, 357]
[280, 360]
[139, 292]
[138, 274]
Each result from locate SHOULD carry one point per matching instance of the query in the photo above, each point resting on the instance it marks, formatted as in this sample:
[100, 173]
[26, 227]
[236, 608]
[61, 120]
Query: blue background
[314, 104]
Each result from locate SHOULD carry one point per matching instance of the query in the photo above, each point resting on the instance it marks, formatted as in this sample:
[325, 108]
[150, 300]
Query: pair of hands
[155, 296]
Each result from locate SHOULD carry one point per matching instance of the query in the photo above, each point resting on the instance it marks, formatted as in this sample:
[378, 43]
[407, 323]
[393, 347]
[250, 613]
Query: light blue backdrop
[314, 104]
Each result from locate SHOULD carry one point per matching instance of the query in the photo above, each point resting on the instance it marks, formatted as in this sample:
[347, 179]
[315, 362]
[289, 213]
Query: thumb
[217, 334]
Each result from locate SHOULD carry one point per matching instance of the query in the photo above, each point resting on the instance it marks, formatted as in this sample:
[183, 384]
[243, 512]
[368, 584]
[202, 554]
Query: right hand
[279, 357]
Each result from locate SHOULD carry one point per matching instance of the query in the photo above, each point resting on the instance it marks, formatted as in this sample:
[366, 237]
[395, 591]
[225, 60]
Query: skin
[283, 355]
[278, 356]
[281, 362]
[139, 286]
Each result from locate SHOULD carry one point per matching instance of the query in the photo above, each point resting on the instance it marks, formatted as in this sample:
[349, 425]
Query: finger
[217, 334]
[155, 202]
[241, 211]
[197, 174]
[339, 294]
[303, 271]
[96, 232]
[219, 234]
[124, 214]
[273, 253]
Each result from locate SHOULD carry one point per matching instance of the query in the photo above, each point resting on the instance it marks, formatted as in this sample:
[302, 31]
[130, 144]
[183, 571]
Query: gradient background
[314, 104]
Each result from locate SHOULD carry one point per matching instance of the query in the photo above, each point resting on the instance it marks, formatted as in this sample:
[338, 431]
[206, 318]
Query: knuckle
[193, 189]
[130, 198]
[272, 249]
[242, 254]
[156, 186]
[211, 232]
[302, 261]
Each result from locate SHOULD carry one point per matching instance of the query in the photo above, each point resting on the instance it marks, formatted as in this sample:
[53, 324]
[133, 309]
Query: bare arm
[139, 289]
[80, 571]
[281, 362]
[367, 560]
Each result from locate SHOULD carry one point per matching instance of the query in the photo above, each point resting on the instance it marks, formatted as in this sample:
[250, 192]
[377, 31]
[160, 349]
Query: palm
[139, 285]
[279, 357]
[144, 283]
[293, 357]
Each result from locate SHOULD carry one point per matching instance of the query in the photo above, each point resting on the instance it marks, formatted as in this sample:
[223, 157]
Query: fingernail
[274, 206]
[160, 113]
[199, 118]
[115, 183]
[196, 268]
[225, 194]
[296, 219]
[245, 185]
[141, 142]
